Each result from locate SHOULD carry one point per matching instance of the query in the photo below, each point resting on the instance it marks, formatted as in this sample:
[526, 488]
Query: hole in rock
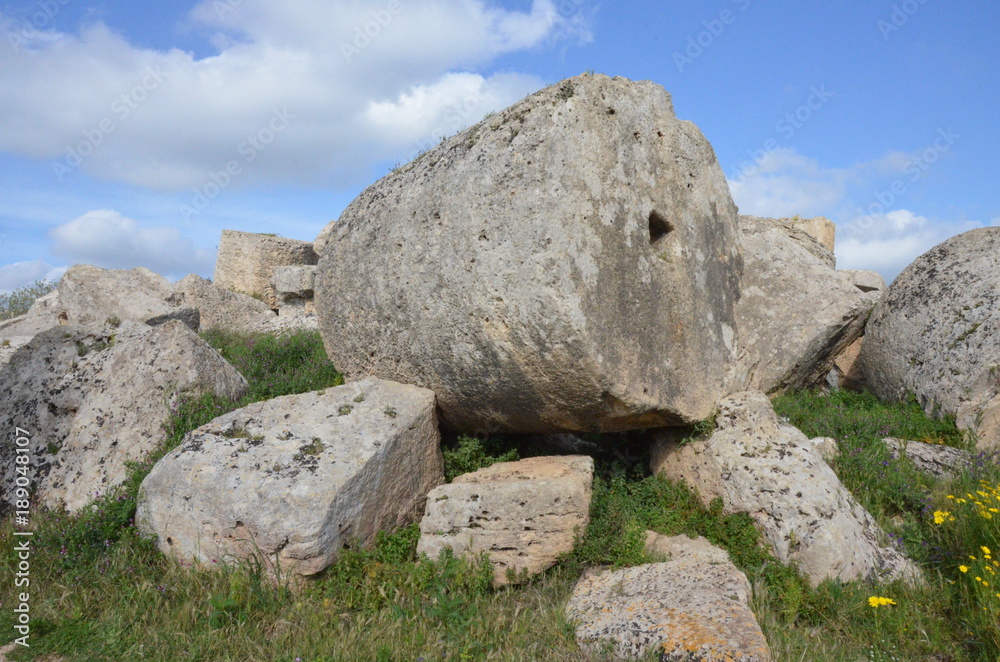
[659, 228]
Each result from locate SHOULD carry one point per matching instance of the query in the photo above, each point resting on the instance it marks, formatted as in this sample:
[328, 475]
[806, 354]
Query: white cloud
[166, 120]
[105, 238]
[785, 183]
[19, 274]
[888, 243]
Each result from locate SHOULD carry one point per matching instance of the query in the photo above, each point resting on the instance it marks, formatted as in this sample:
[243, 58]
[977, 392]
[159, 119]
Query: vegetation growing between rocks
[100, 592]
[17, 302]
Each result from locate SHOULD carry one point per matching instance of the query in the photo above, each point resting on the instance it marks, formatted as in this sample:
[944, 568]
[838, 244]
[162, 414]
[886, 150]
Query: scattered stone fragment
[96, 397]
[247, 261]
[523, 515]
[771, 471]
[295, 479]
[934, 459]
[692, 607]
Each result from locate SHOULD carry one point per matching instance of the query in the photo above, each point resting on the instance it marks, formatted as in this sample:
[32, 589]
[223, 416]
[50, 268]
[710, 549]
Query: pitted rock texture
[934, 459]
[293, 480]
[91, 295]
[569, 264]
[771, 471]
[693, 607]
[10, 345]
[247, 262]
[523, 515]
[795, 314]
[221, 308]
[96, 397]
[935, 333]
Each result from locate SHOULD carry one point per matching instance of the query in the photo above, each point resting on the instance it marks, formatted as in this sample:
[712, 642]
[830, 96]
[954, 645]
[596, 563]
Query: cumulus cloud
[105, 238]
[346, 71]
[782, 183]
[889, 242]
[19, 274]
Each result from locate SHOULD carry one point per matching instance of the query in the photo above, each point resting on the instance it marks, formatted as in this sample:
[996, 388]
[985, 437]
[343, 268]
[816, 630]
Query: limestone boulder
[91, 295]
[935, 333]
[846, 372]
[933, 459]
[696, 606]
[293, 480]
[96, 397]
[569, 264]
[523, 515]
[247, 261]
[864, 280]
[220, 308]
[10, 345]
[796, 314]
[771, 471]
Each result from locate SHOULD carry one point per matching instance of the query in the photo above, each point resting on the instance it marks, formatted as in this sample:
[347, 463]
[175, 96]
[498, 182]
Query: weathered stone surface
[795, 312]
[693, 607]
[223, 309]
[294, 281]
[935, 333]
[846, 372]
[247, 261]
[864, 280]
[934, 459]
[523, 515]
[10, 345]
[826, 447]
[823, 230]
[757, 465]
[568, 264]
[89, 295]
[96, 397]
[295, 479]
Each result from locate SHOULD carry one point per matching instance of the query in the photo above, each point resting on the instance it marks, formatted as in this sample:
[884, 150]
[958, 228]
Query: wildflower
[942, 516]
[986, 550]
[876, 601]
[963, 568]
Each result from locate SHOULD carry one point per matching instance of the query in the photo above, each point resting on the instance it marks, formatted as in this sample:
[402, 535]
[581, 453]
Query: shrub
[13, 304]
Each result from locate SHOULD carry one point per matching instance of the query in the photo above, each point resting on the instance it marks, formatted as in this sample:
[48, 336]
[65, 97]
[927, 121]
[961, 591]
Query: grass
[100, 592]
[17, 302]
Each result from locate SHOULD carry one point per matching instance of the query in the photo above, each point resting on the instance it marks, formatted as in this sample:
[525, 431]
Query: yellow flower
[986, 550]
[876, 601]
[942, 516]
[963, 568]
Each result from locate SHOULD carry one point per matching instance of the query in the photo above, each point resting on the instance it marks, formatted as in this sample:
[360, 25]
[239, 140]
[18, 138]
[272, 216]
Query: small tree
[19, 301]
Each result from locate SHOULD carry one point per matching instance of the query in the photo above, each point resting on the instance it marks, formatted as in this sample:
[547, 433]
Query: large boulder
[796, 314]
[695, 606]
[936, 334]
[523, 515]
[568, 264]
[91, 295]
[247, 261]
[292, 480]
[760, 466]
[221, 308]
[95, 398]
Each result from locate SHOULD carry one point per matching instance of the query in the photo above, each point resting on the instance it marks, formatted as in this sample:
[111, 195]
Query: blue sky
[132, 134]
